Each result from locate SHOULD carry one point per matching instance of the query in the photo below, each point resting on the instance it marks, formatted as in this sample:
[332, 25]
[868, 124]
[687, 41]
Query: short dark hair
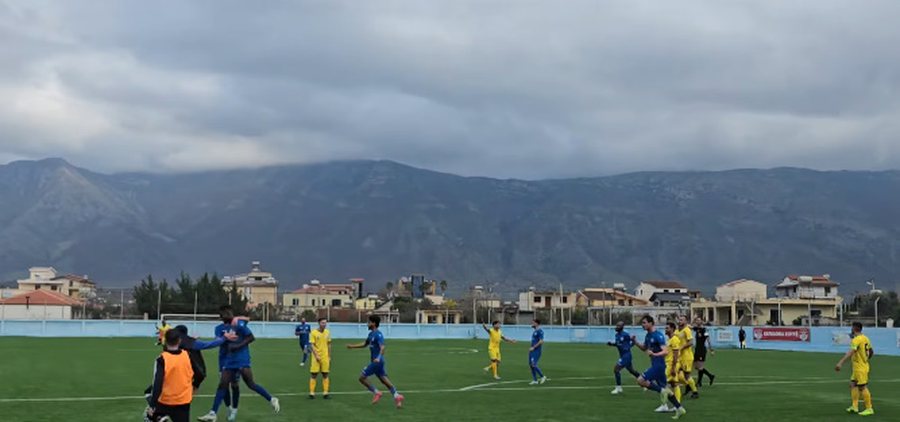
[647, 318]
[857, 325]
[173, 337]
[182, 329]
[495, 322]
[323, 319]
[537, 321]
[375, 319]
[672, 325]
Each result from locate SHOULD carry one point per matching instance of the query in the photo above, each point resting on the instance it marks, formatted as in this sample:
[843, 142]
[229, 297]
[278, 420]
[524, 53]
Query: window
[565, 299]
[336, 303]
[537, 299]
[816, 313]
[621, 302]
[295, 302]
[827, 291]
[665, 290]
[53, 288]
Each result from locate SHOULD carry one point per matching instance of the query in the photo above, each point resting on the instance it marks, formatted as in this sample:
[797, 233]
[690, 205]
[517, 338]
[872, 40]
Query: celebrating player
[686, 335]
[534, 353]
[237, 361]
[302, 332]
[700, 349]
[673, 361]
[375, 342]
[654, 378]
[321, 364]
[161, 330]
[861, 352]
[623, 342]
[496, 336]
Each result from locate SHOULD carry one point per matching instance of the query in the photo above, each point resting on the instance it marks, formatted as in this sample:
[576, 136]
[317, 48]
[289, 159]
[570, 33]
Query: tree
[150, 296]
[443, 286]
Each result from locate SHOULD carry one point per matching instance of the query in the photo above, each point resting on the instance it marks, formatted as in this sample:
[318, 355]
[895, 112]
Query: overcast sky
[527, 89]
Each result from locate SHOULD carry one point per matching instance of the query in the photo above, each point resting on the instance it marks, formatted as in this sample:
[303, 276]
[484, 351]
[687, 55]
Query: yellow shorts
[673, 378]
[687, 365]
[317, 366]
[494, 354]
[860, 376]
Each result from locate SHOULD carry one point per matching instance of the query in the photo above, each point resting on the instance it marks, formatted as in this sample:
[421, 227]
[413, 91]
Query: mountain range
[380, 220]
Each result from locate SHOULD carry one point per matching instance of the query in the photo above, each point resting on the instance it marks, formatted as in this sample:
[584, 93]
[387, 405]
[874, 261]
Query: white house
[647, 289]
[531, 300]
[742, 290]
[47, 278]
[38, 304]
[807, 287]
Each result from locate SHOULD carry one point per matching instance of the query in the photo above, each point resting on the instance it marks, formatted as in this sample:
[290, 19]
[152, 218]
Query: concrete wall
[885, 341]
[38, 312]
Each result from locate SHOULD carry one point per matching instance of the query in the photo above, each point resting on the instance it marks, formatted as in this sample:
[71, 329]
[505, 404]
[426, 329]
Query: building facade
[257, 286]
[47, 278]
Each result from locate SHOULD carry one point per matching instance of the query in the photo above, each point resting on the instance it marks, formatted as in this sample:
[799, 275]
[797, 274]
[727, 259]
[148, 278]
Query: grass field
[102, 380]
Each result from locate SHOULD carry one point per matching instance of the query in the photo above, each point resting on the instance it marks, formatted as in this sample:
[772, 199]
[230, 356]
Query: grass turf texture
[441, 379]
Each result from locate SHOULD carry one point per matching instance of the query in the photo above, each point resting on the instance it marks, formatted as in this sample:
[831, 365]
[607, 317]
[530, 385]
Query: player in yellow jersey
[686, 335]
[161, 331]
[673, 365]
[860, 353]
[320, 340]
[496, 337]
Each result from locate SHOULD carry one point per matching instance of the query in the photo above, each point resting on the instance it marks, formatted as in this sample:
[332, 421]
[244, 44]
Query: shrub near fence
[885, 341]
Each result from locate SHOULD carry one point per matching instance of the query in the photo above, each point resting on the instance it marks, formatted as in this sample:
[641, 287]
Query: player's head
[647, 322]
[181, 329]
[535, 323]
[374, 322]
[620, 326]
[670, 328]
[682, 320]
[173, 339]
[496, 324]
[698, 322]
[226, 313]
[323, 322]
[163, 321]
[856, 328]
[302, 320]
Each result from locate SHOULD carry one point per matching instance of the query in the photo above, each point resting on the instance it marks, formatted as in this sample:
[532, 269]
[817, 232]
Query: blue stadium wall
[822, 339]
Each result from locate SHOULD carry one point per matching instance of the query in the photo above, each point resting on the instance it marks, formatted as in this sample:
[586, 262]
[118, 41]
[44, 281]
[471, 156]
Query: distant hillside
[380, 220]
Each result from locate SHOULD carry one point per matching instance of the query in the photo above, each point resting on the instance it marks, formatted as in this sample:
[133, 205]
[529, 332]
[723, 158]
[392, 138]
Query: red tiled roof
[665, 284]
[816, 279]
[41, 297]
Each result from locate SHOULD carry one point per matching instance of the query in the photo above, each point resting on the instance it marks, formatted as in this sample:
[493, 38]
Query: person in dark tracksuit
[173, 383]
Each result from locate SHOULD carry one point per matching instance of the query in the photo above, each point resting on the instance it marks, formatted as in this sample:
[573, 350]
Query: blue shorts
[376, 369]
[624, 361]
[656, 374]
[534, 357]
[304, 346]
[237, 364]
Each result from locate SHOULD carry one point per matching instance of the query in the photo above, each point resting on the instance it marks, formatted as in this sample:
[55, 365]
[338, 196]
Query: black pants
[177, 413]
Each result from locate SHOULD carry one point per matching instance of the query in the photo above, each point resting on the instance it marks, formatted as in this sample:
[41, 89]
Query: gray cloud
[503, 88]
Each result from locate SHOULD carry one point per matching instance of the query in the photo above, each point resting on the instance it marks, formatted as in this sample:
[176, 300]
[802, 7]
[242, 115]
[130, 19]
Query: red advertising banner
[780, 334]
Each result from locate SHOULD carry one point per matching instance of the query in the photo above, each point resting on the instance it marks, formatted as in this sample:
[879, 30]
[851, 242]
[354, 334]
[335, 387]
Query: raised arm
[486, 329]
[843, 359]
[358, 345]
[507, 339]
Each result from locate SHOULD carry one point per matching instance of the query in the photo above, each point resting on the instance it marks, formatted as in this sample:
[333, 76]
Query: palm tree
[443, 286]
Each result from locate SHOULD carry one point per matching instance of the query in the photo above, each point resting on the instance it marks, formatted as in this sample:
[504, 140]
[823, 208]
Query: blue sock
[305, 354]
[533, 374]
[618, 378]
[262, 392]
[654, 387]
[235, 396]
[538, 370]
[393, 391]
[372, 389]
[220, 396]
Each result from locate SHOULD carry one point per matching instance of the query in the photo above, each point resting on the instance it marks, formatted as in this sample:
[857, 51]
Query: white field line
[496, 386]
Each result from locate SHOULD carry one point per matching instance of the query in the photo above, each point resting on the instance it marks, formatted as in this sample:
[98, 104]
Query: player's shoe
[497, 377]
[543, 380]
[276, 406]
[164, 419]
[376, 397]
[533, 383]
[867, 412]
[327, 397]
[852, 409]
[617, 390]
[662, 409]
[232, 414]
[695, 395]
[679, 412]
[302, 363]
[209, 417]
[398, 400]
[712, 379]
[487, 369]
[312, 396]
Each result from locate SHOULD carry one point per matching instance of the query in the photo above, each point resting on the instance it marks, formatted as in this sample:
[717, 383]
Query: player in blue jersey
[237, 361]
[534, 353]
[375, 343]
[654, 378]
[302, 332]
[624, 342]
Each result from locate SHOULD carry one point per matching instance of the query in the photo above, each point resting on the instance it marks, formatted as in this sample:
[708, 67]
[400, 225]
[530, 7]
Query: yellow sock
[312, 386]
[494, 368]
[326, 383]
[854, 398]
[867, 397]
[677, 392]
[692, 384]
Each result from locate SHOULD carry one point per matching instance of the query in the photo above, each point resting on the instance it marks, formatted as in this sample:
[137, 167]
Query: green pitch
[102, 380]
